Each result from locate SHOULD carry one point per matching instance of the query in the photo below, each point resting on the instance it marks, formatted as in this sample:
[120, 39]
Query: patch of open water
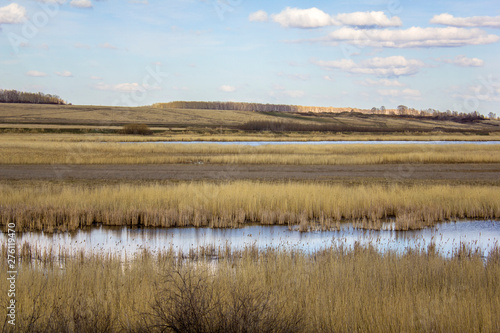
[448, 237]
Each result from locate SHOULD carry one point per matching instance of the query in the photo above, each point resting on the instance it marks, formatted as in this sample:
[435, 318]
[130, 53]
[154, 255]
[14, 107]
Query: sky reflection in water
[482, 235]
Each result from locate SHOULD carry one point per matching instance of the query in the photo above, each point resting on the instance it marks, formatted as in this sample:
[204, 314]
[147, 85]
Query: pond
[377, 142]
[448, 237]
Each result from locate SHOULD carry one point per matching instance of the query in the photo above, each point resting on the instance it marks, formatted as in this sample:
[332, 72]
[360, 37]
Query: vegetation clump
[137, 129]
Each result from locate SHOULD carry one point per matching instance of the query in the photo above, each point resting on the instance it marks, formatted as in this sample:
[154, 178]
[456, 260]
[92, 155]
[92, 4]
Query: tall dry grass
[334, 290]
[216, 135]
[64, 206]
[17, 150]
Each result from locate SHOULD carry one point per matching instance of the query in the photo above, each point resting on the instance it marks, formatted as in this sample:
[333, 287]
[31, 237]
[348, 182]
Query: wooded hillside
[14, 96]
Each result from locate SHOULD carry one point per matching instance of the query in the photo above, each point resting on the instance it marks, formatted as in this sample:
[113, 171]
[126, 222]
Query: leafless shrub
[188, 302]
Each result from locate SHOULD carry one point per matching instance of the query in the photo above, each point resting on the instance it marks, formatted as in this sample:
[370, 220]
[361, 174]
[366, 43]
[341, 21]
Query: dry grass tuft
[136, 129]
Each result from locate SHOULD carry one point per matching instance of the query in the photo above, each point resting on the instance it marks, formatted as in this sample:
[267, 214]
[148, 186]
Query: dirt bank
[391, 172]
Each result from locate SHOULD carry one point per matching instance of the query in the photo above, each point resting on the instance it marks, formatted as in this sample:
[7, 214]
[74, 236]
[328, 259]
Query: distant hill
[258, 107]
[401, 110]
[14, 96]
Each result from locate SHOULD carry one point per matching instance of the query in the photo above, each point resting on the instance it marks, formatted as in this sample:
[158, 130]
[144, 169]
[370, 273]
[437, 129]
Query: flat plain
[69, 169]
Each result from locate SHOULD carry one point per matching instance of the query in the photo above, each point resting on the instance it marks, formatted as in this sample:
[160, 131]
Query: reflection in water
[481, 235]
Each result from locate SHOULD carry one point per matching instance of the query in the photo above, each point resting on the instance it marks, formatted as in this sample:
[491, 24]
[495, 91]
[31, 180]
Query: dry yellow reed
[337, 289]
[52, 206]
[20, 150]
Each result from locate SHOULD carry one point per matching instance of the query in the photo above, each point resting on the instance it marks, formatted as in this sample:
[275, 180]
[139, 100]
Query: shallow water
[262, 143]
[448, 237]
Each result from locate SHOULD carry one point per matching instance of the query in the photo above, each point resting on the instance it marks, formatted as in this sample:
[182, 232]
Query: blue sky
[423, 54]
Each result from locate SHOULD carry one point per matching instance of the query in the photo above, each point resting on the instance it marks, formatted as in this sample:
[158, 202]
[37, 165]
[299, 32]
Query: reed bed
[224, 135]
[63, 206]
[55, 152]
[333, 290]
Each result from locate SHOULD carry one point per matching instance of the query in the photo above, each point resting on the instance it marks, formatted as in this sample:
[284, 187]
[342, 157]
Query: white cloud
[108, 46]
[52, 1]
[81, 3]
[12, 14]
[96, 78]
[328, 78]
[385, 67]
[484, 89]
[65, 74]
[280, 92]
[369, 19]
[303, 18]
[121, 87]
[474, 21]
[227, 88]
[294, 93]
[183, 88]
[412, 37]
[301, 77]
[408, 93]
[381, 82]
[139, 2]
[258, 16]
[36, 74]
[463, 61]
[316, 18]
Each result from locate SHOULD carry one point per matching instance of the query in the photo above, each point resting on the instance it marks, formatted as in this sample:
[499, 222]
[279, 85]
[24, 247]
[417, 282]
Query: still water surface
[448, 237]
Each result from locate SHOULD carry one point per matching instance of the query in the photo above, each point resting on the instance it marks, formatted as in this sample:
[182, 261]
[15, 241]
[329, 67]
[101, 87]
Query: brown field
[117, 116]
[106, 116]
[334, 290]
[451, 174]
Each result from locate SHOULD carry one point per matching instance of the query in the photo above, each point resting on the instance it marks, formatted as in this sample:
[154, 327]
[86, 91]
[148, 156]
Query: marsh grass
[63, 206]
[19, 150]
[35, 132]
[334, 290]
[136, 129]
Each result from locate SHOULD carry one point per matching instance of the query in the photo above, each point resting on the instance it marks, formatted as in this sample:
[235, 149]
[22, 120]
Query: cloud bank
[385, 67]
[316, 18]
[474, 21]
[12, 14]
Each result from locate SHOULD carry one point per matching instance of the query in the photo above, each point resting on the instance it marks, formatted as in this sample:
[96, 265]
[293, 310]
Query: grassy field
[335, 290]
[53, 207]
[117, 116]
[80, 149]
[25, 116]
